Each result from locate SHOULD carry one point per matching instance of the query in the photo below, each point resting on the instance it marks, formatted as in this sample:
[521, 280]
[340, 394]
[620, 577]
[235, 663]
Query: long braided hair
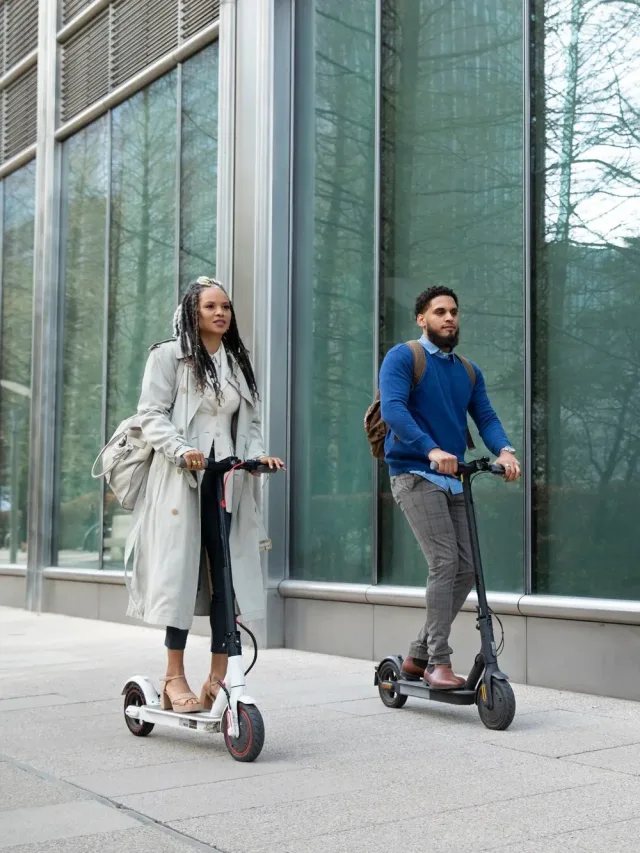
[186, 330]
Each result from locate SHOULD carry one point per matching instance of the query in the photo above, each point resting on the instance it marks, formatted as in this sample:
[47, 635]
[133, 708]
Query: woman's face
[215, 311]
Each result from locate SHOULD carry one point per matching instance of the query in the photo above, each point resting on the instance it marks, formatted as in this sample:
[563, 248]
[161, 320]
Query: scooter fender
[396, 660]
[487, 682]
[151, 695]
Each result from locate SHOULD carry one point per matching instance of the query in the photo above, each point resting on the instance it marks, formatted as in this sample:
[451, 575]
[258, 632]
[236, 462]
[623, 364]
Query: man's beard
[443, 341]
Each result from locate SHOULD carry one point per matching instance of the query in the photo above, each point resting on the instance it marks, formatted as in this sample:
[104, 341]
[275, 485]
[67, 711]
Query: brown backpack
[376, 429]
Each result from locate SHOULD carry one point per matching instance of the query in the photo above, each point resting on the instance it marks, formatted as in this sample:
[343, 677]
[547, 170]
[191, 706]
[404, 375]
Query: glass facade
[587, 315]
[122, 270]
[83, 269]
[434, 193]
[18, 214]
[452, 214]
[459, 144]
[332, 499]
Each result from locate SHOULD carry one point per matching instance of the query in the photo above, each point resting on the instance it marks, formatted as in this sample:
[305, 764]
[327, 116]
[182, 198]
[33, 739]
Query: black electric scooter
[486, 685]
[234, 713]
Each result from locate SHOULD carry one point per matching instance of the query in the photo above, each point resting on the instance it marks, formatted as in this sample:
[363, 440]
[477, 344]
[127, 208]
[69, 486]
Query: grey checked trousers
[439, 522]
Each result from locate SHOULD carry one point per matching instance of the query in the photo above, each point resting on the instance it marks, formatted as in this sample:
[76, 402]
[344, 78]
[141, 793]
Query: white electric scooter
[234, 713]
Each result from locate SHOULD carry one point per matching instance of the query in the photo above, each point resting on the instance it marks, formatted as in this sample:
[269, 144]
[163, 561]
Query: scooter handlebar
[476, 466]
[254, 466]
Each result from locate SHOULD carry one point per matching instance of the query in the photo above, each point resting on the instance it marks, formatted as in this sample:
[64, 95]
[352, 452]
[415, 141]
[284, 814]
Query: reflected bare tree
[452, 214]
[587, 380]
[335, 157]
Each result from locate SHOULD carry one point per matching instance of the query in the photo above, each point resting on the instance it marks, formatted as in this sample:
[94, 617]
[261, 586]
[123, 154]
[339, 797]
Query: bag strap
[419, 361]
[470, 370]
[472, 376]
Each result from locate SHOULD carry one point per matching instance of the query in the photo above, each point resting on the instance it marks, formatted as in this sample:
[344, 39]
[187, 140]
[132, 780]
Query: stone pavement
[339, 773]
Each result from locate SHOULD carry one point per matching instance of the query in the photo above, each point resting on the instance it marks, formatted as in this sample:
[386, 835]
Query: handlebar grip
[181, 462]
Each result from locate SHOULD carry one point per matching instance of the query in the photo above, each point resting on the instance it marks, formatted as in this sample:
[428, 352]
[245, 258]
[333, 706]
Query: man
[426, 424]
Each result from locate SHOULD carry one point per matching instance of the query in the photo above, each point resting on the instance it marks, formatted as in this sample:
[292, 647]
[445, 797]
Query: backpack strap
[419, 361]
[472, 376]
[470, 370]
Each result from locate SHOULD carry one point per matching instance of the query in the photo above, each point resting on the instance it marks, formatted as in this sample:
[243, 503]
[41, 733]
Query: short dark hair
[427, 296]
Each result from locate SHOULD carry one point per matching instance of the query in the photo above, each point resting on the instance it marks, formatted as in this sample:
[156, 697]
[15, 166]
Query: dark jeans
[176, 638]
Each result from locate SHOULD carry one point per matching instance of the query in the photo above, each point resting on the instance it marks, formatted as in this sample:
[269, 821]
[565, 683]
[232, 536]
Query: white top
[222, 414]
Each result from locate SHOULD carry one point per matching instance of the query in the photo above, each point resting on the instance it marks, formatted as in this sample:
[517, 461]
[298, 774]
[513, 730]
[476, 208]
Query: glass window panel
[587, 324]
[15, 387]
[333, 356]
[199, 165]
[84, 217]
[452, 211]
[142, 243]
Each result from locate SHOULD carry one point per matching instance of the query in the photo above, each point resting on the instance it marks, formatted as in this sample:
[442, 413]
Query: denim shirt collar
[432, 349]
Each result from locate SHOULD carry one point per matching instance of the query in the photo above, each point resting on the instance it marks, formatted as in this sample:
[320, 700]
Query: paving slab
[31, 825]
[144, 840]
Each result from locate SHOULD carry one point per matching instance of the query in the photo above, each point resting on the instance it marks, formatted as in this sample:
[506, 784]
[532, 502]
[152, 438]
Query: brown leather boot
[442, 677]
[413, 668]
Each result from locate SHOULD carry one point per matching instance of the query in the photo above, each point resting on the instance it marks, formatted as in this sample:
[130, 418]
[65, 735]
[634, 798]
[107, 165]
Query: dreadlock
[186, 330]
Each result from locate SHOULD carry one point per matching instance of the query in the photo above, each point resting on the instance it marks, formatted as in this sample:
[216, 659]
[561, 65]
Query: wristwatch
[509, 449]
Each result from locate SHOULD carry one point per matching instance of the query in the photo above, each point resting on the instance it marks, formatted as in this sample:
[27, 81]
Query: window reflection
[452, 212]
[142, 253]
[333, 290]
[85, 169]
[15, 378]
[587, 370]
[199, 166]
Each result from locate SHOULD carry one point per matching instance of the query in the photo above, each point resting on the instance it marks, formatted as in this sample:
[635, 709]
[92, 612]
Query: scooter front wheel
[248, 745]
[501, 715]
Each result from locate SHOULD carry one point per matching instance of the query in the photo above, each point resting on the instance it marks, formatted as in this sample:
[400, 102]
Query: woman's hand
[194, 460]
[273, 462]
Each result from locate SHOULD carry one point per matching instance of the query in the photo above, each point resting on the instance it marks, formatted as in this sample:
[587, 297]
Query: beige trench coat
[168, 568]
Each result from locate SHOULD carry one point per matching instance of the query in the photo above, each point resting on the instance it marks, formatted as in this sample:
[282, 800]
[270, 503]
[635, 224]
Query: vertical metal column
[528, 318]
[105, 329]
[226, 143]
[377, 213]
[44, 366]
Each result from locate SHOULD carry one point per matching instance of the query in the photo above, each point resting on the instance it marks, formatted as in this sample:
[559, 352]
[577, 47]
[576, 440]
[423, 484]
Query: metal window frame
[105, 332]
[527, 224]
[46, 283]
[377, 284]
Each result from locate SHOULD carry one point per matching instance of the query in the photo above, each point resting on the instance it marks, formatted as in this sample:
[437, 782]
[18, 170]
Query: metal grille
[21, 29]
[197, 14]
[122, 40]
[20, 113]
[71, 8]
[3, 29]
[143, 31]
[85, 66]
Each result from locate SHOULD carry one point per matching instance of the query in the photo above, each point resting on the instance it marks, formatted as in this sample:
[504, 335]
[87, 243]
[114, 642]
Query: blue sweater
[434, 413]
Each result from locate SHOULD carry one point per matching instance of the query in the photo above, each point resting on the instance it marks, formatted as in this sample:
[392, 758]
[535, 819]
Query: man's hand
[510, 464]
[446, 462]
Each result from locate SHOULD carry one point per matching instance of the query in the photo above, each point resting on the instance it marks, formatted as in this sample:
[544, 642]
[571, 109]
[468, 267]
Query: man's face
[440, 322]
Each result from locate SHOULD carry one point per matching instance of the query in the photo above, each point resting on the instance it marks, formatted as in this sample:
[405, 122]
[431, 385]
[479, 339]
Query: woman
[198, 399]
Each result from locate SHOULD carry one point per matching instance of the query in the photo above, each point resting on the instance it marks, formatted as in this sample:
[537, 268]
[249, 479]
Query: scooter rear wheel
[388, 672]
[135, 696]
[501, 715]
[248, 746]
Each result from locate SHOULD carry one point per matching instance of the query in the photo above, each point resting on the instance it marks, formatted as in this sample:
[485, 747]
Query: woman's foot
[210, 690]
[177, 696]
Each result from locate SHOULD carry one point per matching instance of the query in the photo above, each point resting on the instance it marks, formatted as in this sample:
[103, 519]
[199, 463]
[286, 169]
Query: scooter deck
[202, 721]
[418, 688]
